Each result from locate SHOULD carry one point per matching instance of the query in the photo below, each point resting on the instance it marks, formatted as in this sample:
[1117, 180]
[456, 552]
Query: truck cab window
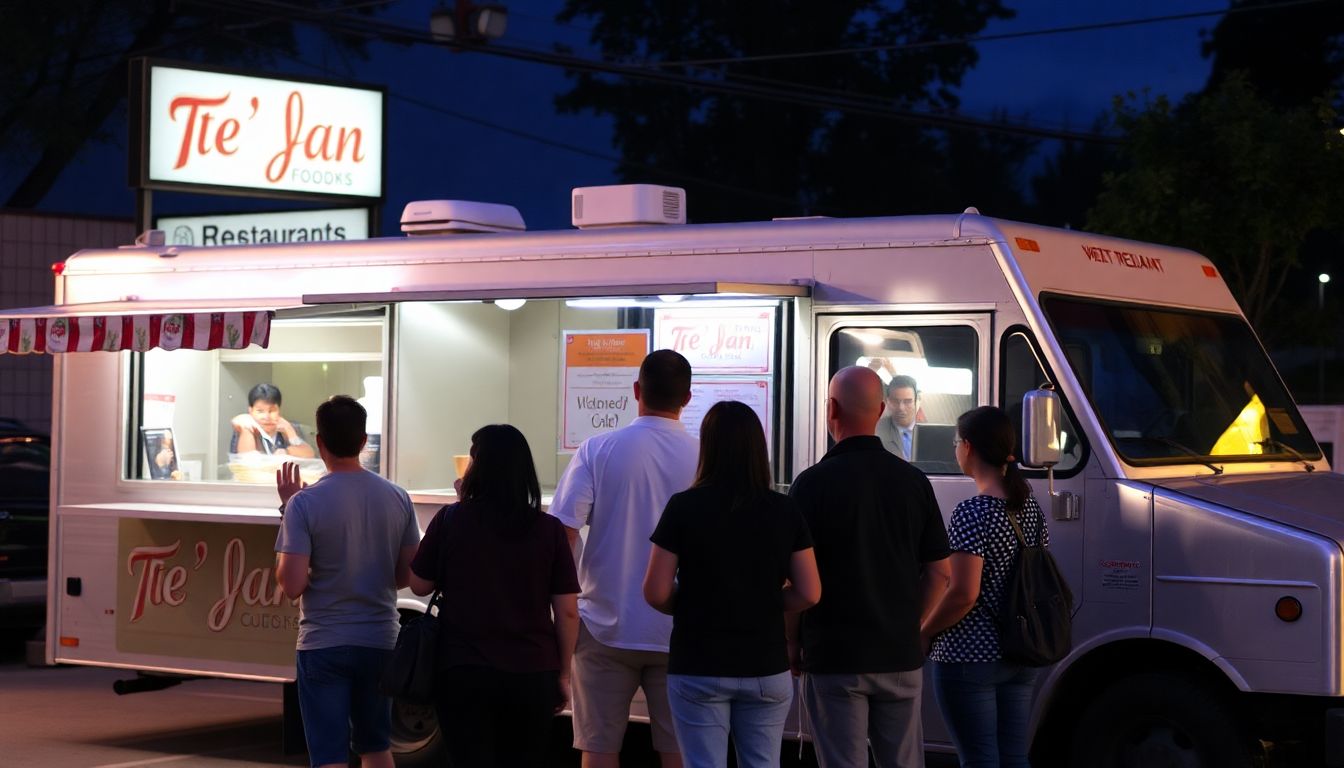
[1175, 386]
[1022, 372]
[233, 416]
[929, 375]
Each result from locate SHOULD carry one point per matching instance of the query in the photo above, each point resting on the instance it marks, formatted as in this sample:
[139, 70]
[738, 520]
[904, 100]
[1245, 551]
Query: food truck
[1189, 506]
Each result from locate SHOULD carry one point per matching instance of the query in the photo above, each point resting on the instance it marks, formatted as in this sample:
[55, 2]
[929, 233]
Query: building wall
[29, 244]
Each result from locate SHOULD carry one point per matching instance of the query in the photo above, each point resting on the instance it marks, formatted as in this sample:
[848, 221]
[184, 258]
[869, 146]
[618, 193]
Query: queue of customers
[695, 582]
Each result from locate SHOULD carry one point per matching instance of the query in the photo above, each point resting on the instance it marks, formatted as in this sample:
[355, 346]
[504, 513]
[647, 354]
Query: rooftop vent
[625, 205]
[448, 217]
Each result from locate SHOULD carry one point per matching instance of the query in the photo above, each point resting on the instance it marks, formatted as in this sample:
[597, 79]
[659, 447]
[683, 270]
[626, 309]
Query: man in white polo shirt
[617, 484]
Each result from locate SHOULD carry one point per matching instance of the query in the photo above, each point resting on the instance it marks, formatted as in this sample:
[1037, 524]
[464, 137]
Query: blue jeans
[986, 706]
[705, 709]
[341, 706]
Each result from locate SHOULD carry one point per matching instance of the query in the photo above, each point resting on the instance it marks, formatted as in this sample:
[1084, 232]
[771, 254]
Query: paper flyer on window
[600, 371]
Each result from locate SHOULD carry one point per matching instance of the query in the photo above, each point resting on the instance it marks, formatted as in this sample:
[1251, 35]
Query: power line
[923, 44]
[787, 93]
[574, 148]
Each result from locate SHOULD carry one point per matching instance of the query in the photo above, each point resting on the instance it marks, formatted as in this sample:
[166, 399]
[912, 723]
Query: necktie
[905, 443]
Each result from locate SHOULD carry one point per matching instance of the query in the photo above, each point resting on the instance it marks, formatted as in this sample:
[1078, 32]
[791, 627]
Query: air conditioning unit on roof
[446, 217]
[626, 205]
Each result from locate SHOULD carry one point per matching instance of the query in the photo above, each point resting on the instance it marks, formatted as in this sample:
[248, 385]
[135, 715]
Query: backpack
[1036, 615]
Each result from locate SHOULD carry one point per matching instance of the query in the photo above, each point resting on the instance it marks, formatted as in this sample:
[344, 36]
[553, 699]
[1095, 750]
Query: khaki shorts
[605, 680]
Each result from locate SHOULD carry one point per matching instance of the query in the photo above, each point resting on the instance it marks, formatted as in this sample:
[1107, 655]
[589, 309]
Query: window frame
[131, 449]
[1085, 454]
[980, 322]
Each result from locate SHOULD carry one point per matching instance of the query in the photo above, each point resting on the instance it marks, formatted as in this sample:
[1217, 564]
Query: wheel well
[1087, 676]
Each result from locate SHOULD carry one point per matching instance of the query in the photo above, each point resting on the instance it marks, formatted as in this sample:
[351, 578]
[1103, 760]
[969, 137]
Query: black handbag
[409, 675]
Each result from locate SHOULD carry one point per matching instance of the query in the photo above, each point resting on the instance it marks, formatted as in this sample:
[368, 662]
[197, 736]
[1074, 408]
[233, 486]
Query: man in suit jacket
[897, 425]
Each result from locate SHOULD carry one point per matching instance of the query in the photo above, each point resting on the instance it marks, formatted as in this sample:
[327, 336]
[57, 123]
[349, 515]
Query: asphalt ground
[69, 717]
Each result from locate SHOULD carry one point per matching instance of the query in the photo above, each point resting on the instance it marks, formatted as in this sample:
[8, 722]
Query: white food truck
[1190, 507]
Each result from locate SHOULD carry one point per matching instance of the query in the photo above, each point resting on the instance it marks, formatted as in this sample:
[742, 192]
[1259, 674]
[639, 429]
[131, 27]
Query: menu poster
[706, 392]
[718, 339]
[601, 368]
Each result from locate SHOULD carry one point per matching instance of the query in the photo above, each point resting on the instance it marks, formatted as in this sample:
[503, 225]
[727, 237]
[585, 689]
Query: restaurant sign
[238, 134]
[262, 228]
[202, 590]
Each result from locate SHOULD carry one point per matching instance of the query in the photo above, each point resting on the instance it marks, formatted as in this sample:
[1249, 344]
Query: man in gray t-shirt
[344, 549]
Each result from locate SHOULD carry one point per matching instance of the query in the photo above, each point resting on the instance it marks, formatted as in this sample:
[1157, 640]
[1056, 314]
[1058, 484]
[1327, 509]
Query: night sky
[510, 154]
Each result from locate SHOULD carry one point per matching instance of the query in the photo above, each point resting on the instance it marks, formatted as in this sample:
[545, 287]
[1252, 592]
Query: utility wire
[786, 93]
[924, 44]
[574, 148]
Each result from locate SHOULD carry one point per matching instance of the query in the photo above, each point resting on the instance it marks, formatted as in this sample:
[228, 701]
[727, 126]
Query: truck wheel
[416, 738]
[1158, 721]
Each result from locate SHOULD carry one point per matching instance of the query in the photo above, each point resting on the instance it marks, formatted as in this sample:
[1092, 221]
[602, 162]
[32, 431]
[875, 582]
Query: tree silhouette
[743, 157]
[1232, 176]
[65, 66]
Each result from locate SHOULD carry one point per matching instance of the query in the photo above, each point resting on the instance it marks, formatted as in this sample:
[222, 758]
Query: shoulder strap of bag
[1017, 528]
[447, 512]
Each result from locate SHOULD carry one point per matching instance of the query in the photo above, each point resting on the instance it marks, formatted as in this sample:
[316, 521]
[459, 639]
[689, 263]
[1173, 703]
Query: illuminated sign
[283, 138]
[253, 228]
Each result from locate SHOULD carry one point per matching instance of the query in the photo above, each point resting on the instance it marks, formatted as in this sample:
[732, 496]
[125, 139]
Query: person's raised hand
[288, 482]
[243, 422]
[282, 425]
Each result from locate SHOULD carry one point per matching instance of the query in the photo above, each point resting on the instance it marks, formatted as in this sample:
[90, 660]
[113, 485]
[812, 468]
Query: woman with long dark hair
[985, 700]
[729, 557]
[504, 568]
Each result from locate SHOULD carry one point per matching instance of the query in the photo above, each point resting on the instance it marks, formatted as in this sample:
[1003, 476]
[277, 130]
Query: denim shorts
[342, 708]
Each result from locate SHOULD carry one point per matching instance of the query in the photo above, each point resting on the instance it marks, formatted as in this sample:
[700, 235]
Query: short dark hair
[733, 456]
[664, 380]
[340, 424]
[903, 382]
[267, 393]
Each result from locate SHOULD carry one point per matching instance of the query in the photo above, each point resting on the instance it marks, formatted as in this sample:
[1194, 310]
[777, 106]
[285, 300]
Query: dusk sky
[520, 151]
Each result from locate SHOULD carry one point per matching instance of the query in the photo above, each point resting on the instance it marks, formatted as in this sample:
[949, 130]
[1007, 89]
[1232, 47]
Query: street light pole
[1321, 279]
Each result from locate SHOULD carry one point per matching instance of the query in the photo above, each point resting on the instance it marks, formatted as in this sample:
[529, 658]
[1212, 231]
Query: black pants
[496, 719]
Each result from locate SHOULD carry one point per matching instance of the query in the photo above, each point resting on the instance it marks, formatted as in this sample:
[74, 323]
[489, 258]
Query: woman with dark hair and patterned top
[985, 701]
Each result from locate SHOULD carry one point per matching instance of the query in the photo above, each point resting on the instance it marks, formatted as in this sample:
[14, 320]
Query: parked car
[25, 467]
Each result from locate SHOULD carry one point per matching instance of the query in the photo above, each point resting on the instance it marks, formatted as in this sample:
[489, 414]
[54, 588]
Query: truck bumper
[19, 592]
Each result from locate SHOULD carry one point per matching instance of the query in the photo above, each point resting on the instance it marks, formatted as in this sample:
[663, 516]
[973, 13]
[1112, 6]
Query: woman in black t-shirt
[730, 556]
[503, 567]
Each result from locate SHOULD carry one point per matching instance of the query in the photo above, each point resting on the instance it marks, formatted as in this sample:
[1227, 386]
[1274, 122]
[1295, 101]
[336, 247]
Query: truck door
[946, 357]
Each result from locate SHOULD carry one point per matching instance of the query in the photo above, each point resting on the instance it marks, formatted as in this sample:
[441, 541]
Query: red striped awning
[137, 331]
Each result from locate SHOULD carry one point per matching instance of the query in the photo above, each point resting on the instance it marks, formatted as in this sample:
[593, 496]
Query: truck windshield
[1171, 386]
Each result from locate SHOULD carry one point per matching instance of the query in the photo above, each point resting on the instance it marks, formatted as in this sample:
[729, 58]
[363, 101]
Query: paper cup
[462, 461]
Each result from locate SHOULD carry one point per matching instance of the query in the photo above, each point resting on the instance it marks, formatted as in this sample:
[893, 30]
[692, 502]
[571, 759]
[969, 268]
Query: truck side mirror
[1041, 428]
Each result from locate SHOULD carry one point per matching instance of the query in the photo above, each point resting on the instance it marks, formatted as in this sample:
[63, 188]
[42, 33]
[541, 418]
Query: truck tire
[1157, 720]
[416, 738]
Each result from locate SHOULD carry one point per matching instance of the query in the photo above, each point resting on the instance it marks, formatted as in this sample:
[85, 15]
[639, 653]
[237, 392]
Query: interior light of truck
[1288, 609]
[69, 642]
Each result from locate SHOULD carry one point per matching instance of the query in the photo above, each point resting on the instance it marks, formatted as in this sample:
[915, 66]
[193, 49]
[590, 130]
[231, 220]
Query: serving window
[191, 418]
[563, 369]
